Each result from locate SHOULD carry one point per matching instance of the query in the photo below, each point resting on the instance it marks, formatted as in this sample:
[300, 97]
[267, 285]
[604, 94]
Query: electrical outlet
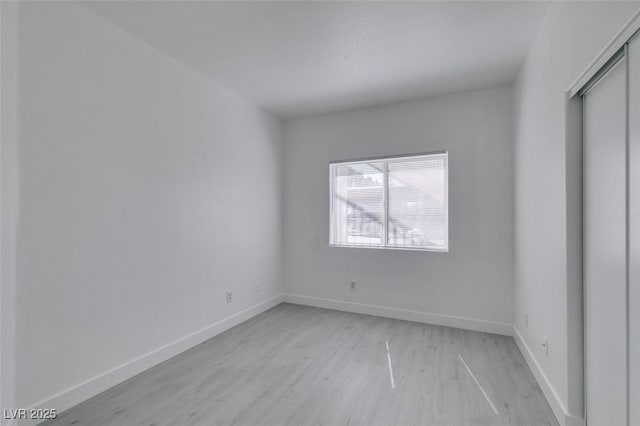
[229, 297]
[545, 344]
[353, 286]
[526, 319]
[257, 288]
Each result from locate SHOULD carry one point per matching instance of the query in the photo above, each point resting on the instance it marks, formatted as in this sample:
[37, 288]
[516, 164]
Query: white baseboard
[558, 407]
[403, 314]
[83, 391]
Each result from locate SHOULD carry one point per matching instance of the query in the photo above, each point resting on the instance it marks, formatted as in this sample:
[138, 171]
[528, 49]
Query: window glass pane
[358, 203]
[418, 202]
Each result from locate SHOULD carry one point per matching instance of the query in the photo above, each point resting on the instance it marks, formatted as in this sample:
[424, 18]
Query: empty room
[307, 213]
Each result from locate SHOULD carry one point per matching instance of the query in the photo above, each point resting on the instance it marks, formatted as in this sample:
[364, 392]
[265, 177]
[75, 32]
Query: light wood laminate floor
[298, 365]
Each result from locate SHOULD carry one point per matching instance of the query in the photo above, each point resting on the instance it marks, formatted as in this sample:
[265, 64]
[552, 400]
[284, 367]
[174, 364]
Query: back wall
[471, 286]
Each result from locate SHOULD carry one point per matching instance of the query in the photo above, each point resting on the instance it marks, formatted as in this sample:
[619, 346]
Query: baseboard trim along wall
[403, 314]
[558, 407]
[83, 391]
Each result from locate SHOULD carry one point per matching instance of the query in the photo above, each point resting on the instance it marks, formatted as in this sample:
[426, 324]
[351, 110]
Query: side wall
[547, 196]
[9, 199]
[146, 193]
[471, 286]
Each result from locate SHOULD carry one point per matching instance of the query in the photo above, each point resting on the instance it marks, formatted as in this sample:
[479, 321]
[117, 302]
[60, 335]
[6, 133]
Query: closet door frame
[619, 64]
[633, 225]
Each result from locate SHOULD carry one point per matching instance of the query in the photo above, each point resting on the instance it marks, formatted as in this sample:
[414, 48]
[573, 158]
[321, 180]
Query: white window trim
[386, 160]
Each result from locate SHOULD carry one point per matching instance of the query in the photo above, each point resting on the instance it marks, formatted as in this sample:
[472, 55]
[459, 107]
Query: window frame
[385, 235]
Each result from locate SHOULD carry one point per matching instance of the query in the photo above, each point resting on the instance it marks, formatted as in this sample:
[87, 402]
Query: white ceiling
[301, 58]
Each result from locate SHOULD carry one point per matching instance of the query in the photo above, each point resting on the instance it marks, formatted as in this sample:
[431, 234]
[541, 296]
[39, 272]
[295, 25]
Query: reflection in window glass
[359, 203]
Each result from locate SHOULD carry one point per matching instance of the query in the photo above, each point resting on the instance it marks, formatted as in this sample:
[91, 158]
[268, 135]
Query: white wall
[8, 199]
[547, 194]
[474, 279]
[146, 192]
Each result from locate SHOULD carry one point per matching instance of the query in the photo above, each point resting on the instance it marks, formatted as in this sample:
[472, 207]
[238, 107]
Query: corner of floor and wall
[149, 198]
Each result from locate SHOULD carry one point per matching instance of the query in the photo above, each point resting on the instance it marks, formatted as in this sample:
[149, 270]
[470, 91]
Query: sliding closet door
[605, 249]
[634, 230]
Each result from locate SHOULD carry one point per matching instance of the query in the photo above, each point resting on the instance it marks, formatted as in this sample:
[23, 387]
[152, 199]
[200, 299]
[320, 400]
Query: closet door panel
[605, 249]
[634, 230]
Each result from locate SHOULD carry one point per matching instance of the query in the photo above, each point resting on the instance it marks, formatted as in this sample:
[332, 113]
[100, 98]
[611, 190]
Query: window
[395, 202]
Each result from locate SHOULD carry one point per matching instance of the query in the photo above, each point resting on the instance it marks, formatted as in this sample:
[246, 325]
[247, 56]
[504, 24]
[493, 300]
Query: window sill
[393, 248]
